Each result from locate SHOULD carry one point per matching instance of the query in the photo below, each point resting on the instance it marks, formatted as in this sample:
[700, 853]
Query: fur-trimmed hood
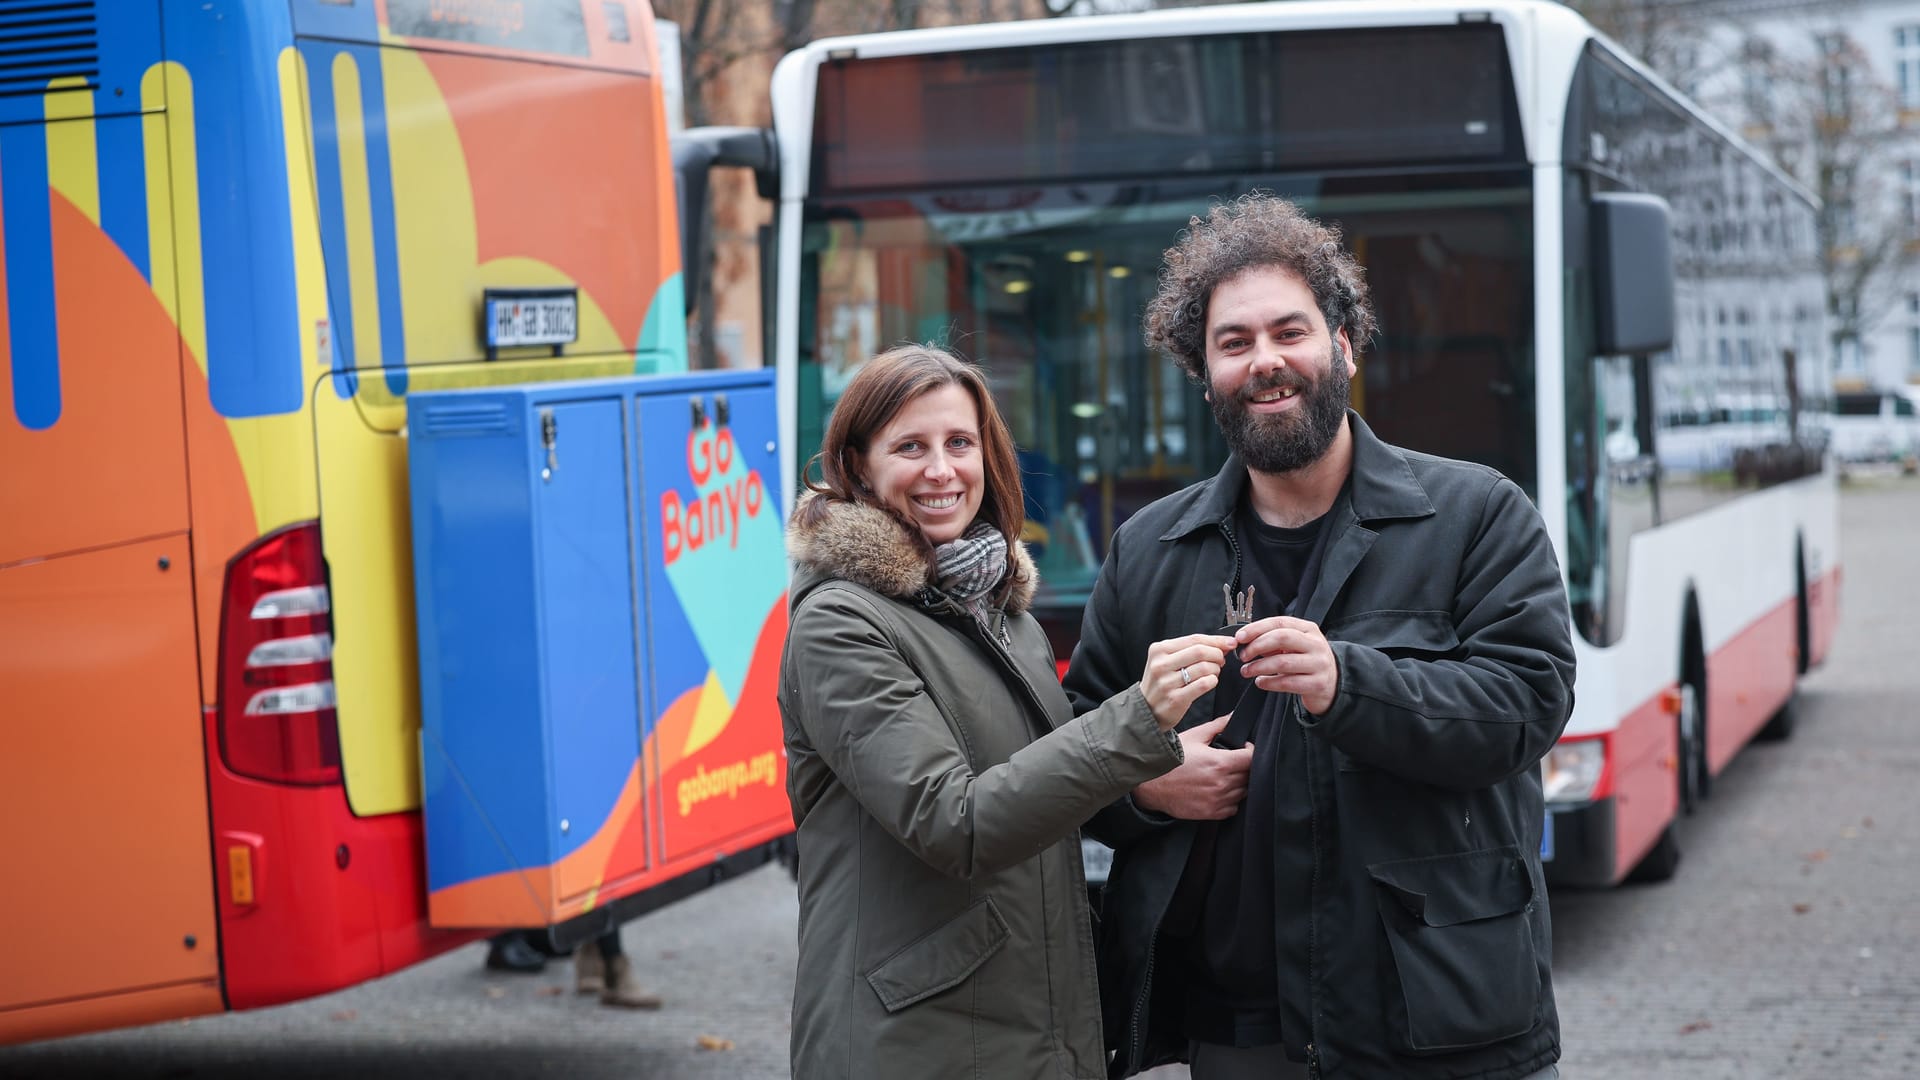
[869, 547]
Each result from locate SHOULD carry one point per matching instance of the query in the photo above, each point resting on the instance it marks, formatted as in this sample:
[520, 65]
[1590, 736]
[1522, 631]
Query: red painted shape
[1748, 679]
[698, 815]
[1645, 787]
[316, 925]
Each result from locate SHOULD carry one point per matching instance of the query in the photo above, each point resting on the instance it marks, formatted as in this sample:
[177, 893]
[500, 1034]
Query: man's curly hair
[1257, 229]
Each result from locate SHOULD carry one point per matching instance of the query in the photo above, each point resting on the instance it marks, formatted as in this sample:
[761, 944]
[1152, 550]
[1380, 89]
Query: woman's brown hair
[876, 395]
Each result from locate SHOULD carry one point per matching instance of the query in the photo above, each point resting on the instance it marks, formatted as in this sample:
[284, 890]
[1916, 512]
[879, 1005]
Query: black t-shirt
[1233, 962]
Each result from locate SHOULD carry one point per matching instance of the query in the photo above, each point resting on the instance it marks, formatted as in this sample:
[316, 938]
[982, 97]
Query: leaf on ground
[347, 1014]
[1697, 1025]
[551, 991]
[496, 991]
[1849, 833]
[1816, 856]
[1802, 909]
[713, 1042]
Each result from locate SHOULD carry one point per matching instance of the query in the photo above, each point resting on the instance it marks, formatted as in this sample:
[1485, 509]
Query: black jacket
[1426, 926]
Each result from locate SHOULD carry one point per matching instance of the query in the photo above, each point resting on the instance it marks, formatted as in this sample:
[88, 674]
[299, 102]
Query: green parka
[939, 779]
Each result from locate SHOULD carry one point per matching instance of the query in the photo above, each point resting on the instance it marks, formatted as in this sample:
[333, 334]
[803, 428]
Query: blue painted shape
[585, 568]
[386, 240]
[128, 40]
[662, 347]
[331, 18]
[231, 50]
[121, 151]
[32, 321]
[333, 228]
[119, 42]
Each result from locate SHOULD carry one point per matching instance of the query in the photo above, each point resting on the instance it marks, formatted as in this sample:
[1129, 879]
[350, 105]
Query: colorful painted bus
[237, 236]
[1009, 189]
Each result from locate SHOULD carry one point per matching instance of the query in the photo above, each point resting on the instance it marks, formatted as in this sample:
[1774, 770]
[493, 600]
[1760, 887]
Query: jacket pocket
[942, 959]
[1461, 938]
[1399, 633]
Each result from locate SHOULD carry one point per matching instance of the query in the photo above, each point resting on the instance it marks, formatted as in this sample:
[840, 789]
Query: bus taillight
[277, 719]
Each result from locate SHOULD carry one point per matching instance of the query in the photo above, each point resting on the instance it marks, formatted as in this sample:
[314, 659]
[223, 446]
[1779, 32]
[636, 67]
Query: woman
[937, 773]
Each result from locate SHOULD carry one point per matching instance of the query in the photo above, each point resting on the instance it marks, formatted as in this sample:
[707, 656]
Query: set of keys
[1239, 608]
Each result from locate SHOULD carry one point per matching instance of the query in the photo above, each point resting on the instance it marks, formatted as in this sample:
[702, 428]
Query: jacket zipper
[1234, 546]
[1313, 921]
[1137, 1035]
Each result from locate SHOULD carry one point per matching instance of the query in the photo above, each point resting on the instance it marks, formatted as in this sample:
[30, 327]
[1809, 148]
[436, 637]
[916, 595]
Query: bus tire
[1779, 726]
[1662, 860]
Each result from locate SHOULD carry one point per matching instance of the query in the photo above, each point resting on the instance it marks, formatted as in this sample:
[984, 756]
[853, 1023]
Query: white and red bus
[1009, 189]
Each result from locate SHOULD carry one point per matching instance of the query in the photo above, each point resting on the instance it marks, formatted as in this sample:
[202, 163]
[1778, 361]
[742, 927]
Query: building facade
[1832, 91]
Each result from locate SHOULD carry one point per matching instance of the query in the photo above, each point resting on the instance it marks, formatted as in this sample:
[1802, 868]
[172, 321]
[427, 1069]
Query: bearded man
[1343, 879]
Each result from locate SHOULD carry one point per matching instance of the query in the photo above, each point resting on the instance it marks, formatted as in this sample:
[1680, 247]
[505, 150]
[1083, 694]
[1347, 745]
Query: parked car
[1876, 426]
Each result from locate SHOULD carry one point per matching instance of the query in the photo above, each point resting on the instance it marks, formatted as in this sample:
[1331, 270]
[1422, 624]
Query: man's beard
[1283, 442]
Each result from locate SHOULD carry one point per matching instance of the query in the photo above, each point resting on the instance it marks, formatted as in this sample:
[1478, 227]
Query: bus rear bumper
[1582, 844]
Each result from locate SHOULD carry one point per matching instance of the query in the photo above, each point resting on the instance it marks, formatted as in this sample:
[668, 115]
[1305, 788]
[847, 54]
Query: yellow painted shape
[369, 549]
[433, 213]
[710, 719]
[153, 138]
[73, 166]
[368, 524]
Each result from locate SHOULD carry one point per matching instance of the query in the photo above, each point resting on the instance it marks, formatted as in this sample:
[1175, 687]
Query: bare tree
[1663, 34]
[1835, 127]
[728, 49]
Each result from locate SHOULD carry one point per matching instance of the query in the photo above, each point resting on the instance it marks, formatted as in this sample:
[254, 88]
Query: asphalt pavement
[1787, 946]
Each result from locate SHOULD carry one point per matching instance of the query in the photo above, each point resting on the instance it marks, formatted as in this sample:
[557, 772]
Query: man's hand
[1290, 656]
[1208, 786]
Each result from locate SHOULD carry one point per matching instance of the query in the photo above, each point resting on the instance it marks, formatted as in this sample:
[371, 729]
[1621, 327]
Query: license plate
[1546, 839]
[545, 318]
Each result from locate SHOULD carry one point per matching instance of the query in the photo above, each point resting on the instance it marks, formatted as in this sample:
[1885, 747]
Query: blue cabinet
[541, 572]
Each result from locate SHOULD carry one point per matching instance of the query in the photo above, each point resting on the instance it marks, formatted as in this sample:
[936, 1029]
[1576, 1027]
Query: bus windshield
[1044, 286]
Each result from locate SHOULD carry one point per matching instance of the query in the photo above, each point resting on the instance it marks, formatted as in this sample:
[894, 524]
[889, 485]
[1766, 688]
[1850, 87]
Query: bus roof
[1566, 33]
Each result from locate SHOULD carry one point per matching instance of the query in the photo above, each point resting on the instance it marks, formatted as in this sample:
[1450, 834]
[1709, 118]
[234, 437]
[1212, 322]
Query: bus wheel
[1693, 750]
[1663, 859]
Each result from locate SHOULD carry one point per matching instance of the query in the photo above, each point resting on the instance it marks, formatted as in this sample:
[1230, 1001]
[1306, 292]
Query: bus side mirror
[1633, 274]
[698, 151]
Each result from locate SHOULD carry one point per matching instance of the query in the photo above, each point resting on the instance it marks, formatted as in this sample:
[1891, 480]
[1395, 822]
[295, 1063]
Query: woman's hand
[1179, 670]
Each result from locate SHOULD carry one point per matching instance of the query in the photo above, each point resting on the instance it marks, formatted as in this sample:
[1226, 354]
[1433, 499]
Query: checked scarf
[970, 568]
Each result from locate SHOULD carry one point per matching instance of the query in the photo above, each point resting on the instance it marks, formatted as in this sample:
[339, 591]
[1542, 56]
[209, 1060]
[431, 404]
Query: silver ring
[1185, 677]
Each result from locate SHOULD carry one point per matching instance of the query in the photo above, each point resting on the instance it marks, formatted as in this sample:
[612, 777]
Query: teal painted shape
[662, 348]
